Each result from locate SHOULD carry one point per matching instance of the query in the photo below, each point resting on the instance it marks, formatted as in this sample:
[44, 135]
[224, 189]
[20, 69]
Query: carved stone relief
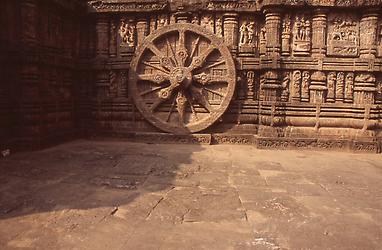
[364, 88]
[127, 33]
[162, 20]
[285, 83]
[343, 35]
[296, 86]
[285, 35]
[340, 84]
[247, 36]
[349, 86]
[301, 35]
[305, 86]
[332, 77]
[207, 22]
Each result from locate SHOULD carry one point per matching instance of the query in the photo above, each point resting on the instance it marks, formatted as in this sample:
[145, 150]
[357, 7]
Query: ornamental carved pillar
[102, 33]
[319, 26]
[271, 85]
[273, 27]
[368, 36]
[231, 30]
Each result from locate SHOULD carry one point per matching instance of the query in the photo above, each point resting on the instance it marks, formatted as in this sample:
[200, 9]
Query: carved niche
[285, 86]
[285, 35]
[301, 35]
[247, 35]
[343, 35]
[127, 33]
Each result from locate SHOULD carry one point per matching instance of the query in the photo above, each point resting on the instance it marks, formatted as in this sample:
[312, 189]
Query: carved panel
[301, 35]
[343, 35]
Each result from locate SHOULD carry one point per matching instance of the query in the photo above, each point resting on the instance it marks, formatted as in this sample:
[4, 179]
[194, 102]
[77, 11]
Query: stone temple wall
[38, 73]
[278, 74]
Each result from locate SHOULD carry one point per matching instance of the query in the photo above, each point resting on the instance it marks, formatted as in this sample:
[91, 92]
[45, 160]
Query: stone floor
[121, 195]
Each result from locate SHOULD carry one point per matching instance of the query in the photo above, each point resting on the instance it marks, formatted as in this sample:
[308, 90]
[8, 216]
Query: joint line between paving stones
[159, 201]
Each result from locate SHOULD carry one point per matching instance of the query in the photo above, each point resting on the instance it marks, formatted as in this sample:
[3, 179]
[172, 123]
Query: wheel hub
[181, 77]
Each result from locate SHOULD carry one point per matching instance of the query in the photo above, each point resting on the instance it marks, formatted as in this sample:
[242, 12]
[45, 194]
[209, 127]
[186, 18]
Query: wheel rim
[182, 78]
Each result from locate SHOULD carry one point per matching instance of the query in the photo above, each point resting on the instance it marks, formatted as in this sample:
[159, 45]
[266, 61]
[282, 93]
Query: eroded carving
[127, 33]
[343, 35]
[301, 35]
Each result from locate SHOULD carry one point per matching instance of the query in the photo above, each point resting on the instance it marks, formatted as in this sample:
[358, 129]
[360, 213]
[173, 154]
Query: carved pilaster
[368, 36]
[113, 39]
[29, 20]
[319, 26]
[231, 30]
[273, 27]
[142, 30]
[364, 88]
[102, 84]
[270, 86]
[317, 87]
[102, 33]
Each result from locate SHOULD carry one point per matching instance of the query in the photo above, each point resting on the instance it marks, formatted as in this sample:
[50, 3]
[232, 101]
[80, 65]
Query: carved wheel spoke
[190, 87]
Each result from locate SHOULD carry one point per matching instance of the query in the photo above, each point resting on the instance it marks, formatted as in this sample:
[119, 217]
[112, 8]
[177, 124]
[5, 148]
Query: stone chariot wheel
[182, 78]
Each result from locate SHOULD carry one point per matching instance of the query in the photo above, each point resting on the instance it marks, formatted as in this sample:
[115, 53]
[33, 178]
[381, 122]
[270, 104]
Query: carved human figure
[123, 31]
[195, 20]
[162, 20]
[286, 25]
[305, 86]
[243, 33]
[285, 87]
[263, 34]
[343, 33]
[296, 28]
[307, 30]
[207, 22]
[340, 86]
[349, 85]
[131, 35]
[251, 32]
[296, 88]
[219, 27]
[331, 86]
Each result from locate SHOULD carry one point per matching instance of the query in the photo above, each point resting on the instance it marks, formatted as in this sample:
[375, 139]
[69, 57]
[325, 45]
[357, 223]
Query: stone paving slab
[121, 195]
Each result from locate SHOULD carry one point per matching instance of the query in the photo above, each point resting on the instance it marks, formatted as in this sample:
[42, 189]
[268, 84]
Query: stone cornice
[126, 6]
[217, 5]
